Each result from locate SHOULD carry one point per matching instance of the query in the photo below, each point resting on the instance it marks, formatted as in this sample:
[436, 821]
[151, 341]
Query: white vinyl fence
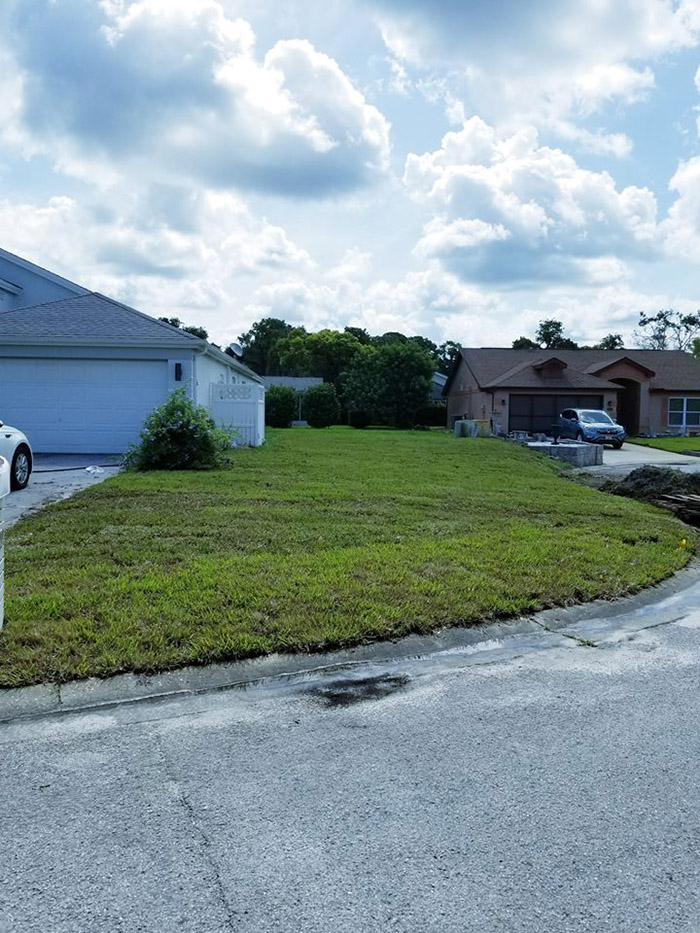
[241, 407]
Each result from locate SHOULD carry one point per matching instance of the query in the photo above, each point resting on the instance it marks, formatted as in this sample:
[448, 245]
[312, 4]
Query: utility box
[4, 491]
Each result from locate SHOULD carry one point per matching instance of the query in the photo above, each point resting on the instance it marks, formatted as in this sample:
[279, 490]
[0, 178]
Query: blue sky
[456, 169]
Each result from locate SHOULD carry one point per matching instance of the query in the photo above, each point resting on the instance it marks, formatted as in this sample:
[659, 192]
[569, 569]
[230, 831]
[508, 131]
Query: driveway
[634, 455]
[618, 463]
[57, 476]
[512, 785]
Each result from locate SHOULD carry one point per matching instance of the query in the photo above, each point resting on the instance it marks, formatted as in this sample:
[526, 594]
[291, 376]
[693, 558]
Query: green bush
[179, 435]
[434, 415]
[280, 406]
[359, 419]
[320, 405]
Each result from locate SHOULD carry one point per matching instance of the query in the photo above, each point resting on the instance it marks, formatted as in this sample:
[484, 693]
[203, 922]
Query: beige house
[647, 391]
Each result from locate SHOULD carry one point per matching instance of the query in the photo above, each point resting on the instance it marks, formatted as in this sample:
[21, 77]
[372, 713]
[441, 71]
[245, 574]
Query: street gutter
[581, 627]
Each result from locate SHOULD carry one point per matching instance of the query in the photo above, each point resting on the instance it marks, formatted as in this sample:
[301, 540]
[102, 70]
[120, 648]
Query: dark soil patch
[650, 483]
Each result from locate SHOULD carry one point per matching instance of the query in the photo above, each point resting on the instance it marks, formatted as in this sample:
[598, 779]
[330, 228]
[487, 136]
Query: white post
[4, 491]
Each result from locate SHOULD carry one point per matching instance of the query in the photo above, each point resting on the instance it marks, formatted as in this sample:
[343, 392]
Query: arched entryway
[628, 404]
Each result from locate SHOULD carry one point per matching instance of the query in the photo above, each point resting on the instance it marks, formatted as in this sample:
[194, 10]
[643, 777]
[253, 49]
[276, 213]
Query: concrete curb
[633, 613]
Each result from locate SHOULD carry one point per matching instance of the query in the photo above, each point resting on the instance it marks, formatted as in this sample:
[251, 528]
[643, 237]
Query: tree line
[383, 379]
[665, 330]
[272, 347]
[388, 378]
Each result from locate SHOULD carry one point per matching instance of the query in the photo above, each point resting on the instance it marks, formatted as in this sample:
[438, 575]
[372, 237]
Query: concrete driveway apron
[57, 476]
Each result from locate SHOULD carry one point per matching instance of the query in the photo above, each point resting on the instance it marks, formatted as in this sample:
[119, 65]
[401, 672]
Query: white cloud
[428, 301]
[508, 210]
[191, 270]
[544, 62]
[174, 90]
[682, 226]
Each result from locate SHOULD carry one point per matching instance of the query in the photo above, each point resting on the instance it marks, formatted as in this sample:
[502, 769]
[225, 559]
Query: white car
[15, 448]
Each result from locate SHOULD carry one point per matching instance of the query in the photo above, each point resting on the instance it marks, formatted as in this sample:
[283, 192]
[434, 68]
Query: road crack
[200, 833]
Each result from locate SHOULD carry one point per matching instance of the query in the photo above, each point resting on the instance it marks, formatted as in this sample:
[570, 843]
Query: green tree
[550, 336]
[193, 329]
[327, 354]
[447, 353]
[524, 343]
[668, 330]
[391, 336]
[259, 345]
[280, 406]
[320, 405]
[610, 342]
[390, 382]
[361, 334]
[428, 345]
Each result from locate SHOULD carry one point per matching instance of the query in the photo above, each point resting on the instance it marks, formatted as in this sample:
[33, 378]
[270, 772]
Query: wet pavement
[57, 476]
[533, 776]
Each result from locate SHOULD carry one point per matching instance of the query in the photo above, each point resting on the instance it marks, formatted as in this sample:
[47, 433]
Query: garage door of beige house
[80, 406]
[537, 413]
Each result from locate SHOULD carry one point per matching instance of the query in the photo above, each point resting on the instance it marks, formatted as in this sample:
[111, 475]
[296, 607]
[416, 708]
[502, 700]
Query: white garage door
[80, 406]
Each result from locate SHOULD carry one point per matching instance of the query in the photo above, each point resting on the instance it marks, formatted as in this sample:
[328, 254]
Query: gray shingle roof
[505, 368]
[298, 383]
[95, 319]
[90, 318]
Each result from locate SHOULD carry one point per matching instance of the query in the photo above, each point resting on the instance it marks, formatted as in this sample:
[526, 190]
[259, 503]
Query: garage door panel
[76, 406]
[536, 413]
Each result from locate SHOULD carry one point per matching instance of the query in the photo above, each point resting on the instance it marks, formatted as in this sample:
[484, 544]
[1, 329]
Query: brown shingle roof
[499, 367]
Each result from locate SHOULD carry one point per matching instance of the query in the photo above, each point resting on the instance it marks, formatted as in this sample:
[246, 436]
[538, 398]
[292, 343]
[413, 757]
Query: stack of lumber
[686, 507]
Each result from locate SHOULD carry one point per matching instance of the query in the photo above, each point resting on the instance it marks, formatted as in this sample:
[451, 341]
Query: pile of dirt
[649, 483]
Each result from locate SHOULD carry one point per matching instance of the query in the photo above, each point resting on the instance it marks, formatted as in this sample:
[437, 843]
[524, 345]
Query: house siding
[36, 286]
[209, 370]
[658, 417]
[465, 399]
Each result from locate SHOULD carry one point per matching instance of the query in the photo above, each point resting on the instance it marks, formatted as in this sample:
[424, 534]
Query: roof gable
[599, 367]
[551, 362]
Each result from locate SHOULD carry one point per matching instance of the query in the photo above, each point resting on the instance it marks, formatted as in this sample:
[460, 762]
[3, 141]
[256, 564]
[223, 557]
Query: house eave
[22, 341]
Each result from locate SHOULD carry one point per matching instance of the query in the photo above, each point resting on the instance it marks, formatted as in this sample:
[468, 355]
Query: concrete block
[578, 454]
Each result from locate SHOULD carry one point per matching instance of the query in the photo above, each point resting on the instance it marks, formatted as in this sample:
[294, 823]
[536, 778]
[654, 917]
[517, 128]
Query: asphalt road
[510, 786]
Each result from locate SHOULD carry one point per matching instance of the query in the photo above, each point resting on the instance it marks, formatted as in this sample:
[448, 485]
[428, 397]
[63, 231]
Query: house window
[684, 412]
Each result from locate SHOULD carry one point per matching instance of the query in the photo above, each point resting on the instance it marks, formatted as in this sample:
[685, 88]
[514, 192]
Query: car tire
[617, 445]
[21, 468]
[579, 436]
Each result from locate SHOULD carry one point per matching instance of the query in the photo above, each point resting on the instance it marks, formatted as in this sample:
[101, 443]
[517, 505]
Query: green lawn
[675, 444]
[318, 539]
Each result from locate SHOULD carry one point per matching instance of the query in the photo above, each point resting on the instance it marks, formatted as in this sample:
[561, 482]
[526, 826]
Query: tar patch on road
[358, 690]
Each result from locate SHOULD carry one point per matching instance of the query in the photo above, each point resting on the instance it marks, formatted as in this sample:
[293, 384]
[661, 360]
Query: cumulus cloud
[539, 34]
[176, 89]
[682, 226]
[543, 62]
[123, 250]
[428, 301]
[509, 210]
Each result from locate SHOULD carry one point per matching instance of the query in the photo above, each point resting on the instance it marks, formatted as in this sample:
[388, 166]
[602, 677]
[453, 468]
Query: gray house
[79, 371]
